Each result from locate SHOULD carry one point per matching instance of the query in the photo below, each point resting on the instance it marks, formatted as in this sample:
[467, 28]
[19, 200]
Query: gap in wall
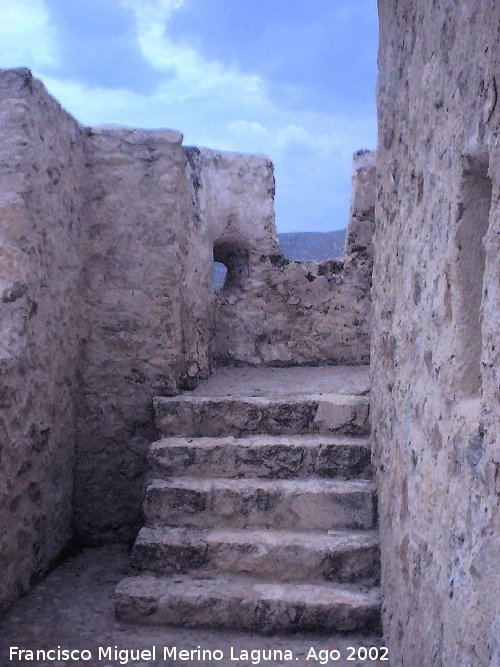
[219, 272]
[231, 265]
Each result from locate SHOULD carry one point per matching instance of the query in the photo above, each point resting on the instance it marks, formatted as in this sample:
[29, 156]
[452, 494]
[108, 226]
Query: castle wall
[435, 353]
[41, 235]
[107, 238]
[275, 311]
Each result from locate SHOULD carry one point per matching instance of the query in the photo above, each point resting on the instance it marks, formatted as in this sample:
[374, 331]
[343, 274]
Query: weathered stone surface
[199, 415]
[225, 602]
[282, 381]
[359, 236]
[272, 555]
[41, 237]
[277, 457]
[107, 239]
[241, 503]
[435, 331]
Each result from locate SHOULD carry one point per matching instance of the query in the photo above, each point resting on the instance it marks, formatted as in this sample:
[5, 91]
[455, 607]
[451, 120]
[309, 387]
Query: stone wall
[108, 237]
[275, 311]
[41, 231]
[435, 353]
[106, 295]
[147, 293]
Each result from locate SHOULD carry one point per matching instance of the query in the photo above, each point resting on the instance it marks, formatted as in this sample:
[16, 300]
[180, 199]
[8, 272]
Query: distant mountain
[316, 246]
[313, 245]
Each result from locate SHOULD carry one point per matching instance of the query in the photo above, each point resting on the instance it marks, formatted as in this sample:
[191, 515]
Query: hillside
[312, 245]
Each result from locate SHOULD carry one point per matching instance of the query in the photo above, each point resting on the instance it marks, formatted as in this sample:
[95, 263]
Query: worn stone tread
[265, 456]
[260, 509]
[307, 504]
[188, 415]
[284, 555]
[237, 602]
[284, 381]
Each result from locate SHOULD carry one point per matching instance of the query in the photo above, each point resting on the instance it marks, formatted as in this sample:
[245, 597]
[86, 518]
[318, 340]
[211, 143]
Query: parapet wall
[272, 310]
[108, 237]
[435, 337]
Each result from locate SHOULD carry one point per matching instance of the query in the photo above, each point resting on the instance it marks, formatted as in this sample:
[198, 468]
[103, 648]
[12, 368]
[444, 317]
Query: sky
[292, 79]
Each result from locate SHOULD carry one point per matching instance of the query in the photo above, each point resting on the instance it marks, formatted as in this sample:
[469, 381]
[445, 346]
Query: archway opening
[231, 266]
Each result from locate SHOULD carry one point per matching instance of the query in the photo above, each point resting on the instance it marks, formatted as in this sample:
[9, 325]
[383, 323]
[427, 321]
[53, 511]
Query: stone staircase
[260, 509]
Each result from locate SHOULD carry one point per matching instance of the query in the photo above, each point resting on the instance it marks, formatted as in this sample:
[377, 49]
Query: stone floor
[297, 380]
[73, 608]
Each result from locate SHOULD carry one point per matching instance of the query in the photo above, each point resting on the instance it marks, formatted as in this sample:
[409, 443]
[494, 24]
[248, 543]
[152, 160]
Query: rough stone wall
[435, 352]
[41, 165]
[106, 294]
[147, 293]
[275, 311]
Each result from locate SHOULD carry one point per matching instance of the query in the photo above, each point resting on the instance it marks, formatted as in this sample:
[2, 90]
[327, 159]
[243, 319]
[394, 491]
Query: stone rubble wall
[41, 238]
[435, 369]
[285, 312]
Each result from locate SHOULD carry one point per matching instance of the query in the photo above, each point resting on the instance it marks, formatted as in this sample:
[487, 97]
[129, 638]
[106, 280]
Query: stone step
[241, 503]
[193, 415]
[265, 456]
[234, 602]
[342, 556]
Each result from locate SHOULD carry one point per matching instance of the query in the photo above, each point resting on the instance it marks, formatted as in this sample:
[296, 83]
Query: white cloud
[214, 105]
[97, 105]
[190, 75]
[248, 127]
[26, 36]
[156, 11]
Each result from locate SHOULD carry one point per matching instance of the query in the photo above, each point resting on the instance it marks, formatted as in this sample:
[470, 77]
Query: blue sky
[294, 79]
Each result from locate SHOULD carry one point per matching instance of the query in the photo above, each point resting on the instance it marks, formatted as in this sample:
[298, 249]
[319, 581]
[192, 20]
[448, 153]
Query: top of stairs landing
[277, 382]
[277, 401]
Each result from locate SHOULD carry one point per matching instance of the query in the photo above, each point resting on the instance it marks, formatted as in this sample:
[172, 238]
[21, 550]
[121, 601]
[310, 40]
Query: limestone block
[200, 415]
[284, 456]
[362, 214]
[237, 503]
[283, 555]
[226, 602]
